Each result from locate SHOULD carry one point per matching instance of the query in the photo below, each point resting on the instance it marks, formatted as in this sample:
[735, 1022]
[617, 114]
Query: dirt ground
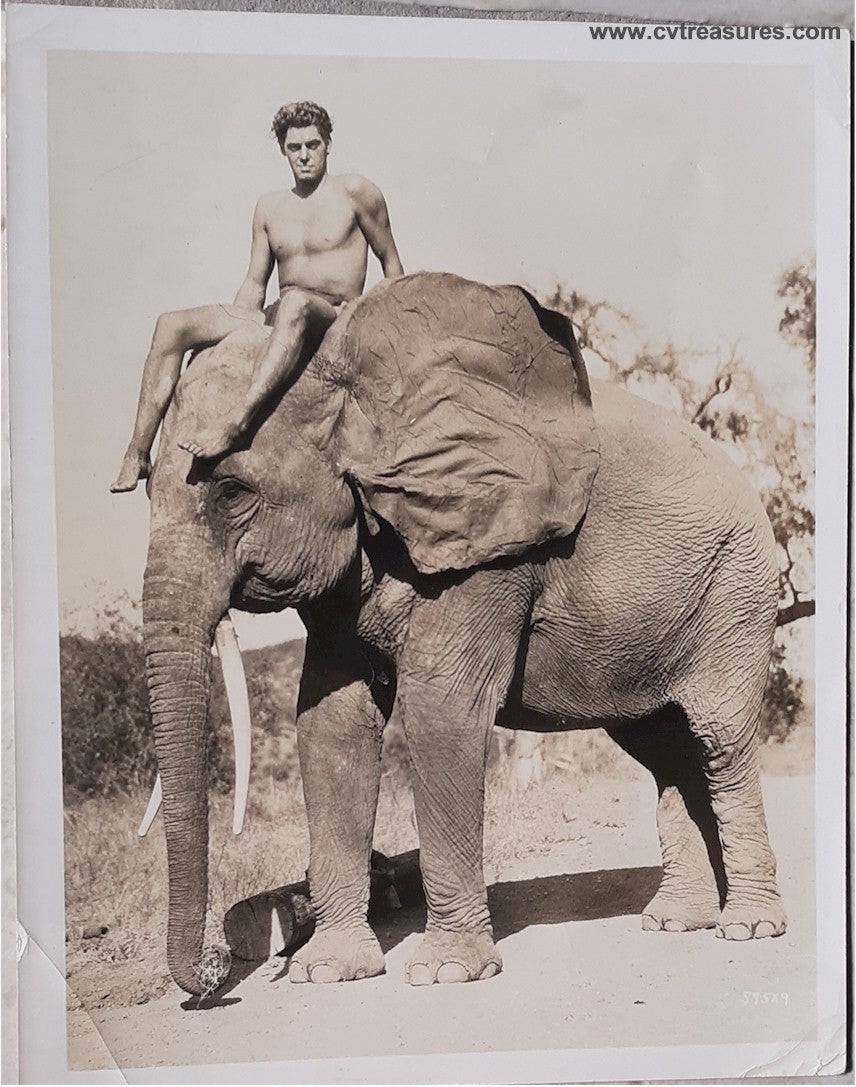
[579, 972]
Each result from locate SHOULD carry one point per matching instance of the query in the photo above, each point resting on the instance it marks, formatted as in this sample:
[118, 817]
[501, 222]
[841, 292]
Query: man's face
[306, 153]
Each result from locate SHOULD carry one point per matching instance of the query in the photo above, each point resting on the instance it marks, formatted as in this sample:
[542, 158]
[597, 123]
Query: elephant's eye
[234, 497]
[232, 488]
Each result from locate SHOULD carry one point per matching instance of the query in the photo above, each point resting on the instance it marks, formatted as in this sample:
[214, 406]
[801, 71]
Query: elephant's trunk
[178, 629]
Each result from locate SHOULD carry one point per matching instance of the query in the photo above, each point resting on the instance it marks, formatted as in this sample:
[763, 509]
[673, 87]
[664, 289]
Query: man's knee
[172, 331]
[295, 307]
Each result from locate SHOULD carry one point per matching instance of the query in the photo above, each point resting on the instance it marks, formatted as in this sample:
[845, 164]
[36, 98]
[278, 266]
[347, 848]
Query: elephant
[625, 577]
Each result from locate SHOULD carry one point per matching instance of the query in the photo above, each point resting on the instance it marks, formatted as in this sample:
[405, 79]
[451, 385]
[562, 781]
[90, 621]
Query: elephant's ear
[466, 417]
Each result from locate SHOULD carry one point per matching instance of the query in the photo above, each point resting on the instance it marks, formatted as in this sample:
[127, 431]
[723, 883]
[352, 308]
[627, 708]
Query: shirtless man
[318, 233]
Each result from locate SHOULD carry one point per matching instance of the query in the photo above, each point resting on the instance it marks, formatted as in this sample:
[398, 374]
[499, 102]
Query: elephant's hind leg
[726, 728]
[693, 885]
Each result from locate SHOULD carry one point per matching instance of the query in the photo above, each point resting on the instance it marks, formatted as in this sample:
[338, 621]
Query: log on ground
[282, 920]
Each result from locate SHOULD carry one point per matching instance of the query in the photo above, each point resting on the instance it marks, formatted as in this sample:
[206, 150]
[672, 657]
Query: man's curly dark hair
[301, 115]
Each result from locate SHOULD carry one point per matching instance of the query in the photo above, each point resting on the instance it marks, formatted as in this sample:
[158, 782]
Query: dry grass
[117, 880]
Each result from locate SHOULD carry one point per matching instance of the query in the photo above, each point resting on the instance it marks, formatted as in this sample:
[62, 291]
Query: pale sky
[676, 192]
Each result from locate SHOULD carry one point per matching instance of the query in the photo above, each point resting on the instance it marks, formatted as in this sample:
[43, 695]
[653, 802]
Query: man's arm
[251, 294]
[373, 219]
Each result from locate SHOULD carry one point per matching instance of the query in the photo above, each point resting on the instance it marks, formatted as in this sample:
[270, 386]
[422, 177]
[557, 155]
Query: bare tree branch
[800, 609]
[721, 384]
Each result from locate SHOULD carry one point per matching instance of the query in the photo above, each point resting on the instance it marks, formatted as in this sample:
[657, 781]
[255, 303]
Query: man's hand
[251, 293]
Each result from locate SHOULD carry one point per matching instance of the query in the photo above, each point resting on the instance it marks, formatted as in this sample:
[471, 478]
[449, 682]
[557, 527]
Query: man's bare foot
[135, 466]
[211, 442]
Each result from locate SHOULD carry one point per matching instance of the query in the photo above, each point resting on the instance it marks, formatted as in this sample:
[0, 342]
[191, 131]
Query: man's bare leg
[300, 312]
[175, 334]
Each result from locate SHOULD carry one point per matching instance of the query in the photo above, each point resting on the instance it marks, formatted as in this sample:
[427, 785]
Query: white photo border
[32, 32]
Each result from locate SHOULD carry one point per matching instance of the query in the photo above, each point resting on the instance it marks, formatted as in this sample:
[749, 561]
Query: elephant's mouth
[237, 696]
[260, 593]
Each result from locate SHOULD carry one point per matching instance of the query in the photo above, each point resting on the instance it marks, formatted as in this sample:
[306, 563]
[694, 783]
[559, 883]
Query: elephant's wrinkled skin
[655, 620]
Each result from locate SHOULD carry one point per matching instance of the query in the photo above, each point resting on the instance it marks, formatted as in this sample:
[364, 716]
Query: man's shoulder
[270, 199]
[360, 189]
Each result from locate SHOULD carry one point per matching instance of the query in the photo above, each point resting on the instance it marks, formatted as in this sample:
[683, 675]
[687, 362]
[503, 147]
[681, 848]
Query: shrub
[106, 732]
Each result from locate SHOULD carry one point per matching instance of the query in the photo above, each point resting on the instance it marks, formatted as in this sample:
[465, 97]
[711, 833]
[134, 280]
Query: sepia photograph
[443, 431]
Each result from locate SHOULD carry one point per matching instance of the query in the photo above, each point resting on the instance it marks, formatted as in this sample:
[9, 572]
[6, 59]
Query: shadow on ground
[546, 900]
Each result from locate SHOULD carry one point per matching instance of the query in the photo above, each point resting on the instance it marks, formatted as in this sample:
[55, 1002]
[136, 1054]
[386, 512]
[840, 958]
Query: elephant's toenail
[675, 926]
[419, 974]
[490, 971]
[737, 932]
[452, 973]
[764, 928]
[324, 974]
[650, 924]
[297, 973]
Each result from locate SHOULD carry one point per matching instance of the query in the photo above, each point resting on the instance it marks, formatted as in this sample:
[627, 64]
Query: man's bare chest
[315, 225]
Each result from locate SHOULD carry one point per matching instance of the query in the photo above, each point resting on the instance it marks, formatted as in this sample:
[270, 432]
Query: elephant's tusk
[152, 809]
[235, 681]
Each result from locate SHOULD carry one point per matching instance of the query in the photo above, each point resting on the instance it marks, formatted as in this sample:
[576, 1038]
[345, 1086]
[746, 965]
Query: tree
[797, 286]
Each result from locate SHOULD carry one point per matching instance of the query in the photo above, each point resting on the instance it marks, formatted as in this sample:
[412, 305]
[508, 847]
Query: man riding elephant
[473, 534]
[318, 233]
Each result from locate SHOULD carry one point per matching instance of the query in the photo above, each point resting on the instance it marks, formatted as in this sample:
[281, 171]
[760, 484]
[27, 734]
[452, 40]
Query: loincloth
[335, 300]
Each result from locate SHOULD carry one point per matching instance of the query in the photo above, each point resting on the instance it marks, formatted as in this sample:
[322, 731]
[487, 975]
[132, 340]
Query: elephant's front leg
[447, 737]
[339, 736]
[453, 676]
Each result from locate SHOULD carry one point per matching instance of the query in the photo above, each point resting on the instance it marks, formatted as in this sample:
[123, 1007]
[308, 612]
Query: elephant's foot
[453, 956]
[752, 921]
[676, 913]
[338, 955]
